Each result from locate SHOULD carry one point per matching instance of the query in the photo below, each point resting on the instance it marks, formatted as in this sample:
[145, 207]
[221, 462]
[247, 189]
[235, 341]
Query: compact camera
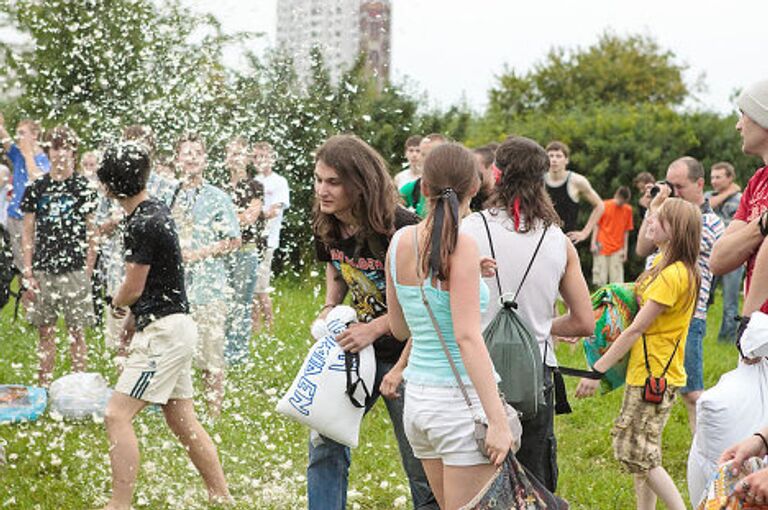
[657, 187]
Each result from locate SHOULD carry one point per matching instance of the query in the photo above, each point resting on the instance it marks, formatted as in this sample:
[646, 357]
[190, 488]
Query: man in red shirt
[744, 240]
[610, 239]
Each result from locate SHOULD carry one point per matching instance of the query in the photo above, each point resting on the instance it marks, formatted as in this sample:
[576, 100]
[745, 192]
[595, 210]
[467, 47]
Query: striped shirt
[712, 230]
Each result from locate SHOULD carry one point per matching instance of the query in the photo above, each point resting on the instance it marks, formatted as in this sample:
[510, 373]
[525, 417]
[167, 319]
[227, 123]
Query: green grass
[65, 465]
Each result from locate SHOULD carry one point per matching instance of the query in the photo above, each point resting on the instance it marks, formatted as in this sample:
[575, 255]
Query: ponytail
[444, 233]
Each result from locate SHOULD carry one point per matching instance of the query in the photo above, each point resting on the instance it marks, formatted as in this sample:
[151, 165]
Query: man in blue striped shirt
[685, 176]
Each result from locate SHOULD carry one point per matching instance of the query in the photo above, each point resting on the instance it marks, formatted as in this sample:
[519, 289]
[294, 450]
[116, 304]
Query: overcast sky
[452, 49]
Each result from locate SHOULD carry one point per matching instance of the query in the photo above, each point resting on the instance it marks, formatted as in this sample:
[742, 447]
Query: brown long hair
[523, 163]
[684, 222]
[366, 180]
[450, 176]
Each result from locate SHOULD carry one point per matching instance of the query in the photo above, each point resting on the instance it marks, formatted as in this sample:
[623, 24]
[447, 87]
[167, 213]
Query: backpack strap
[530, 263]
[493, 251]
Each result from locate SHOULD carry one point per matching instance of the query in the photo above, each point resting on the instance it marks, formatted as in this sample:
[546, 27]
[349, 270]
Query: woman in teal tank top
[437, 420]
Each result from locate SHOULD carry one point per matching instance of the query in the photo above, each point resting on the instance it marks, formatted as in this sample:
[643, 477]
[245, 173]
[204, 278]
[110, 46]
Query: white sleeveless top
[536, 302]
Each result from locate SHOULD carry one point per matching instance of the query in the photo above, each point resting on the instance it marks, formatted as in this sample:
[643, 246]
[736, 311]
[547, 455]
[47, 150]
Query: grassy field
[64, 465]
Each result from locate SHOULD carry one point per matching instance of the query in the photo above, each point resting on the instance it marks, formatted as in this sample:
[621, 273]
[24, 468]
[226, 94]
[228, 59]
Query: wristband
[762, 437]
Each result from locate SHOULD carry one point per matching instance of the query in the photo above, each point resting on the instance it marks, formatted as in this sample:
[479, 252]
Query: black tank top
[566, 208]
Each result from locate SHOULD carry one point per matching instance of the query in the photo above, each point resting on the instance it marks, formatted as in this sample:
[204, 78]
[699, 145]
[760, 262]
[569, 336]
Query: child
[656, 343]
[159, 369]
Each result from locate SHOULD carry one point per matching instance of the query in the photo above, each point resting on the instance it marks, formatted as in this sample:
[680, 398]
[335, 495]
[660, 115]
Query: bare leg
[461, 484]
[256, 314]
[266, 309]
[214, 391]
[78, 350]
[433, 468]
[661, 483]
[690, 405]
[46, 353]
[123, 448]
[646, 498]
[180, 416]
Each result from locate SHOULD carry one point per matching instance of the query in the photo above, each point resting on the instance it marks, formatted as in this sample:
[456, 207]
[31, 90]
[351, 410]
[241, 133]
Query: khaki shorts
[264, 273]
[211, 323]
[159, 367]
[637, 431]
[607, 269]
[68, 294]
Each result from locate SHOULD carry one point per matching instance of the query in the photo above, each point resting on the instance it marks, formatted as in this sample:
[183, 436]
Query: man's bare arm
[739, 242]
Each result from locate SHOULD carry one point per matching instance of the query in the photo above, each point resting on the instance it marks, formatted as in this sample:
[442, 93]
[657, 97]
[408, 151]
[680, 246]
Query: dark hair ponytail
[450, 175]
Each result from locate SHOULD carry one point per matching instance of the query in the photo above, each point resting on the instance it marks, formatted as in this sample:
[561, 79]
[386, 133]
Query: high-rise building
[341, 29]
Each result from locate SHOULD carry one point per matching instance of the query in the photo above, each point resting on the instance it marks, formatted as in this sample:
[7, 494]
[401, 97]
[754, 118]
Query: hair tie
[450, 195]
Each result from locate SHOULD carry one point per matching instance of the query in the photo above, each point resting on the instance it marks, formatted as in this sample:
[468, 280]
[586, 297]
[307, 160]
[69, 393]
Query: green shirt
[407, 192]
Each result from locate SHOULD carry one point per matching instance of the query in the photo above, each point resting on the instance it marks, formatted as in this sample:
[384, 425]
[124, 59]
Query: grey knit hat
[754, 102]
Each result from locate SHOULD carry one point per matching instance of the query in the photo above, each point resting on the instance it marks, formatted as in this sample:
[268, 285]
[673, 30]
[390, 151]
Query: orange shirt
[614, 223]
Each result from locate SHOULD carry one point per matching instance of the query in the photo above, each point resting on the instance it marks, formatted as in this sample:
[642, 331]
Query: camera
[657, 187]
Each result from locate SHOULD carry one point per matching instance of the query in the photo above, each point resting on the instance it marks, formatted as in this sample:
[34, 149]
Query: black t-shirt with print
[150, 239]
[242, 194]
[361, 264]
[61, 209]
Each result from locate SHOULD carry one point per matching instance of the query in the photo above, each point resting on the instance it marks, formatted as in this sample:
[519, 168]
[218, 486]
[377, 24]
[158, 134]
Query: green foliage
[616, 70]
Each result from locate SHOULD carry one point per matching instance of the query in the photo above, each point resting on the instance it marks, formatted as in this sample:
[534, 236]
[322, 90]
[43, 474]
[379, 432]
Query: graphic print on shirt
[366, 281]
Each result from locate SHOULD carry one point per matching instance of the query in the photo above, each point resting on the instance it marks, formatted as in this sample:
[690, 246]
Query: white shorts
[264, 272]
[211, 325]
[439, 425]
[159, 367]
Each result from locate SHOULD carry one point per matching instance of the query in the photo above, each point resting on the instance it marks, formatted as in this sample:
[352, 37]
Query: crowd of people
[179, 271]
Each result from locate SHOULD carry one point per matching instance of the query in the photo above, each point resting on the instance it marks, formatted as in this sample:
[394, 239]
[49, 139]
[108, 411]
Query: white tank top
[536, 302]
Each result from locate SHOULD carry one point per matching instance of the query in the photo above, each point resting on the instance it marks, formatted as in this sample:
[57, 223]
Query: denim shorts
[439, 425]
[694, 356]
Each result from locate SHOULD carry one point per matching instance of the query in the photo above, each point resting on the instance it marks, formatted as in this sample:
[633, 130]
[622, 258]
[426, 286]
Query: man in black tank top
[567, 189]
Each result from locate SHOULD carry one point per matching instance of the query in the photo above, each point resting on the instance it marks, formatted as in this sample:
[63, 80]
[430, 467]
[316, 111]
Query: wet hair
[412, 141]
[143, 134]
[523, 163]
[556, 145]
[730, 172]
[124, 168]
[61, 137]
[683, 219]
[366, 180]
[624, 193]
[33, 125]
[450, 177]
[189, 137]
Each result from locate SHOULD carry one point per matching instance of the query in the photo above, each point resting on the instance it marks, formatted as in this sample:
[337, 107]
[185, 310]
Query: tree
[630, 70]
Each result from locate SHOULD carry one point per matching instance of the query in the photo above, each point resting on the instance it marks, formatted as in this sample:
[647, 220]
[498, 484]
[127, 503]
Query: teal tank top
[428, 364]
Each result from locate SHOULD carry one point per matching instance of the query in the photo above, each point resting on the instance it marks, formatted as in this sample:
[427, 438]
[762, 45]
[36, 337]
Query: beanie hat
[753, 101]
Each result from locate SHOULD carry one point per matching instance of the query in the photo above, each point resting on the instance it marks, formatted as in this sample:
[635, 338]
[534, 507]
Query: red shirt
[754, 201]
[614, 223]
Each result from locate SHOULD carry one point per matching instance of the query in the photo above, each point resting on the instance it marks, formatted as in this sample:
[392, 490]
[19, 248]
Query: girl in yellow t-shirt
[667, 294]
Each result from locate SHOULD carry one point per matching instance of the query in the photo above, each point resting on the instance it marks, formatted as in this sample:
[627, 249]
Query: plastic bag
[719, 492]
[21, 403]
[727, 413]
[330, 391]
[79, 395]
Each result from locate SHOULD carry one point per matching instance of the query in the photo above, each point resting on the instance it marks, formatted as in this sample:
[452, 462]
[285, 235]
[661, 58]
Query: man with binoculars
[685, 179]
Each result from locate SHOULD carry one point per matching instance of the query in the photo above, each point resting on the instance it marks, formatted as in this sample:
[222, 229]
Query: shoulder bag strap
[671, 357]
[432, 317]
[493, 251]
[530, 263]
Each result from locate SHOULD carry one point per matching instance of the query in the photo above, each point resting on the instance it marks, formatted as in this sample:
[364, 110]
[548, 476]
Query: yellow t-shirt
[670, 288]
